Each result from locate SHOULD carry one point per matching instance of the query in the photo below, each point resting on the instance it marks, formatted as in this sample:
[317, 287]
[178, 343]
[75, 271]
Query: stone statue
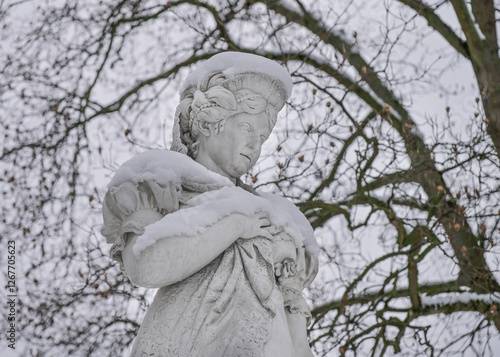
[230, 263]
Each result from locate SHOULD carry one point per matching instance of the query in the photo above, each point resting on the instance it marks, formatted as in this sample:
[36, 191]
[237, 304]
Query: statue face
[234, 151]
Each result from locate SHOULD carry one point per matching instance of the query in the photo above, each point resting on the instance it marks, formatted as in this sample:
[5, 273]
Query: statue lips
[247, 157]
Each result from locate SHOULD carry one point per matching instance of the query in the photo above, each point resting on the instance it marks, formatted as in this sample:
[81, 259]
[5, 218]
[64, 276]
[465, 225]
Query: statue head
[230, 91]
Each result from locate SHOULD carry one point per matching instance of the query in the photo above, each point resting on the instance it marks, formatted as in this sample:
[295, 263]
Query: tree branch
[484, 13]
[437, 24]
[431, 289]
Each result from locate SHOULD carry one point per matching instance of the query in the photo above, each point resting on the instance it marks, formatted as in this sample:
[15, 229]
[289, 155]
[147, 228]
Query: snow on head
[234, 63]
[165, 166]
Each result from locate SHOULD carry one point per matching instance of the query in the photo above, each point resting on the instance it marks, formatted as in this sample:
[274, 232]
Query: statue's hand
[255, 225]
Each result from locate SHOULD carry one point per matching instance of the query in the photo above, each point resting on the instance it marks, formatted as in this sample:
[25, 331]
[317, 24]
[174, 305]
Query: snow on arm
[164, 167]
[297, 225]
[210, 207]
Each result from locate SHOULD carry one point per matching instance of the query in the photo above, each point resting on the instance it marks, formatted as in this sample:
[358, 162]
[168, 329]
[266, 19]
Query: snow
[479, 32]
[233, 63]
[458, 297]
[295, 221]
[165, 166]
[208, 208]
[292, 6]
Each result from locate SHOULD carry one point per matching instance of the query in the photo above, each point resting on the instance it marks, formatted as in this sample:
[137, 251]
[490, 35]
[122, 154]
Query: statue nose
[252, 142]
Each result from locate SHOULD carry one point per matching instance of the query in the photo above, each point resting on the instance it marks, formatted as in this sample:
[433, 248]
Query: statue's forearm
[172, 259]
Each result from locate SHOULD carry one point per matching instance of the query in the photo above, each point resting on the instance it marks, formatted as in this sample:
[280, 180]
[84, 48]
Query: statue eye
[246, 126]
[262, 139]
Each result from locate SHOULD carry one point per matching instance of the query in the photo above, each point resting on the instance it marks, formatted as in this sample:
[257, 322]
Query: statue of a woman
[230, 263]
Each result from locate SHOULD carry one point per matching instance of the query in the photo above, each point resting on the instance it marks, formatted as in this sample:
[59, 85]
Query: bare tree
[397, 170]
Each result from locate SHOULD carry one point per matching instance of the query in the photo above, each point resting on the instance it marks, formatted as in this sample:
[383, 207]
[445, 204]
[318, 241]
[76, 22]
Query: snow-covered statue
[230, 263]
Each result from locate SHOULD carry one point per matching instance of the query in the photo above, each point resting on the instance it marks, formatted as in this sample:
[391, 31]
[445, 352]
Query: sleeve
[130, 207]
[294, 276]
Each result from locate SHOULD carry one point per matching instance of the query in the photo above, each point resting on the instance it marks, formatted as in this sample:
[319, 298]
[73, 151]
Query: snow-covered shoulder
[165, 166]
